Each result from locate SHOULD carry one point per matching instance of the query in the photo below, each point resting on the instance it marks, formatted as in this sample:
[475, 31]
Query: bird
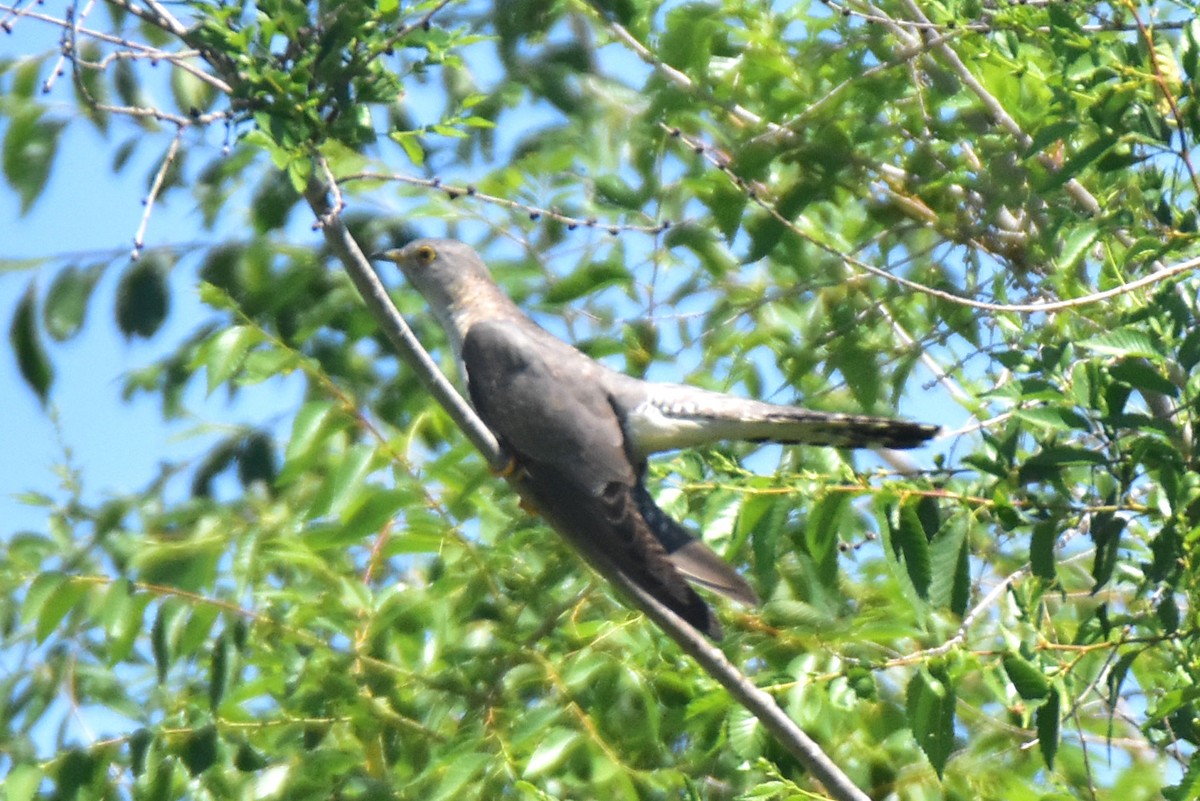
[582, 432]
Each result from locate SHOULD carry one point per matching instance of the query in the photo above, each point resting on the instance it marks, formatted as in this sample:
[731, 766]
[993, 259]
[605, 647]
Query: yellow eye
[426, 254]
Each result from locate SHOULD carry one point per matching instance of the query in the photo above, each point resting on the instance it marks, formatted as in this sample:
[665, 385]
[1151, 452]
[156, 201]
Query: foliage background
[980, 213]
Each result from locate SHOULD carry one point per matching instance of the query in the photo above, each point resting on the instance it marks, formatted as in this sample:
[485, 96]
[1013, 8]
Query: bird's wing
[545, 403]
[695, 560]
[548, 408]
[665, 417]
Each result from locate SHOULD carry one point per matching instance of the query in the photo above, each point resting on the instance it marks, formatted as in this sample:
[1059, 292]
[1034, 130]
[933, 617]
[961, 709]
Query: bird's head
[445, 272]
[454, 282]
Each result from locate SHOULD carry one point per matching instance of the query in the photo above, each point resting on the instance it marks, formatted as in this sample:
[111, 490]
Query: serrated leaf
[1055, 418]
[930, 704]
[1075, 248]
[314, 422]
[1140, 375]
[223, 354]
[338, 488]
[40, 591]
[1124, 343]
[375, 508]
[910, 545]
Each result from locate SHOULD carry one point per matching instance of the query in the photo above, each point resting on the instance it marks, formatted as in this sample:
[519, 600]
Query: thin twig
[152, 196]
[533, 212]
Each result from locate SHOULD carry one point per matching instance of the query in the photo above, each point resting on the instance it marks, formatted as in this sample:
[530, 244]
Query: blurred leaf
[22, 782]
[590, 278]
[1041, 550]
[1029, 681]
[199, 749]
[821, 533]
[32, 361]
[30, 146]
[1047, 717]
[142, 298]
[67, 299]
[555, 746]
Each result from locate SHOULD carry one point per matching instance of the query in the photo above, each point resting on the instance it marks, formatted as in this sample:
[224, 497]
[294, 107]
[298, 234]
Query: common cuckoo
[582, 431]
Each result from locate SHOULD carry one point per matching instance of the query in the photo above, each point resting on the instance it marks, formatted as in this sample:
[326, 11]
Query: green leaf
[1041, 550]
[948, 586]
[40, 592]
[32, 361]
[930, 703]
[1125, 343]
[765, 232]
[1106, 534]
[1047, 719]
[1048, 463]
[1031, 684]
[555, 747]
[1189, 350]
[1075, 248]
[591, 278]
[459, 772]
[610, 189]
[412, 146]
[66, 301]
[911, 546]
[223, 354]
[199, 750]
[58, 604]
[316, 421]
[1142, 376]
[142, 298]
[1188, 788]
[376, 507]
[76, 769]
[821, 533]
[30, 145]
[22, 782]
[218, 672]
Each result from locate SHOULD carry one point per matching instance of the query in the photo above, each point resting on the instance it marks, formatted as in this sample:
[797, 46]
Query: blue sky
[87, 213]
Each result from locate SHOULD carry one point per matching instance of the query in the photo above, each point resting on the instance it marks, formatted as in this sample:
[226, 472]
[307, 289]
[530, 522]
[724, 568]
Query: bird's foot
[508, 469]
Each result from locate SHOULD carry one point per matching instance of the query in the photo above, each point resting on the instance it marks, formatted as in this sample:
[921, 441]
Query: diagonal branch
[759, 703]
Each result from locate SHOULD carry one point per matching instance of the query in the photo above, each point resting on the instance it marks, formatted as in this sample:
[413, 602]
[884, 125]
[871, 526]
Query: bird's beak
[386, 255]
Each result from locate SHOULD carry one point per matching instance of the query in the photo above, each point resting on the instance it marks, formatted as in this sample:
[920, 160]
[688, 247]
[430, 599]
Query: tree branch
[712, 659]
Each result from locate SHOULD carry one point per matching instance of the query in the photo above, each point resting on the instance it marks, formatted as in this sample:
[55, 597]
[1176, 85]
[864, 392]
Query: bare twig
[533, 212]
[152, 196]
